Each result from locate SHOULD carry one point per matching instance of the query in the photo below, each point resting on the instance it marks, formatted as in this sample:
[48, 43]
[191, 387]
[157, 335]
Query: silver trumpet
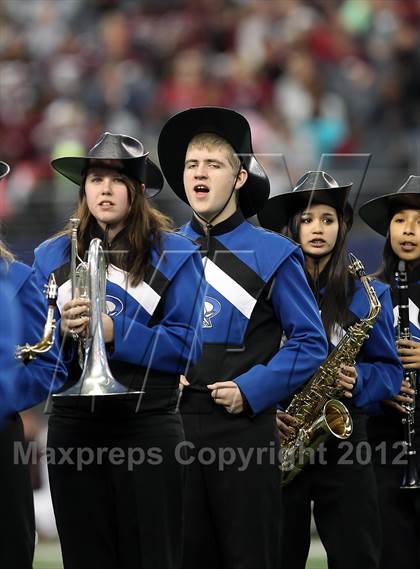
[96, 378]
[79, 285]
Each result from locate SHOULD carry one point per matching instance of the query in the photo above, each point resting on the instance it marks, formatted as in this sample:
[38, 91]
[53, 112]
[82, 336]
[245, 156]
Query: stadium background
[331, 84]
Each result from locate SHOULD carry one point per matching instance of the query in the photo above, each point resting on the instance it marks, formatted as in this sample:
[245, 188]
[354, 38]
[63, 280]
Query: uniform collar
[120, 238]
[225, 226]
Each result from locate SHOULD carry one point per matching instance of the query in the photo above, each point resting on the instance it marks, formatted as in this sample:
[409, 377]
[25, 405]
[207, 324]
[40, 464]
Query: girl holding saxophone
[340, 480]
[23, 383]
[118, 499]
[396, 216]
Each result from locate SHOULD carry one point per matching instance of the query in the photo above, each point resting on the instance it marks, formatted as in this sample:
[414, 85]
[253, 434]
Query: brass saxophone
[29, 352]
[317, 411]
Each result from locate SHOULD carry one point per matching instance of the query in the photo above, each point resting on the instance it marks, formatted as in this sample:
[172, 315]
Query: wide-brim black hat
[230, 125]
[4, 169]
[377, 212]
[127, 150]
[314, 187]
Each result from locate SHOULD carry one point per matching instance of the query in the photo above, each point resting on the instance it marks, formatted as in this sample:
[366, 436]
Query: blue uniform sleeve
[8, 341]
[174, 343]
[40, 277]
[306, 346]
[380, 374]
[25, 385]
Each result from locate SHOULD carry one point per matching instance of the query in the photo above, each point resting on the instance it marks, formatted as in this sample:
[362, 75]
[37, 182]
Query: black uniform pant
[233, 497]
[400, 513]
[121, 507]
[346, 514]
[17, 523]
[400, 509]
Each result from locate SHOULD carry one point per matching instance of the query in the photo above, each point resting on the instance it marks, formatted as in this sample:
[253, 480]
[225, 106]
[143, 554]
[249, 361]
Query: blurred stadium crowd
[312, 77]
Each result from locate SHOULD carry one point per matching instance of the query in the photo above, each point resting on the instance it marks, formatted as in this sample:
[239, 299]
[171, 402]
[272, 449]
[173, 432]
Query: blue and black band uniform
[22, 319]
[256, 292]
[156, 337]
[400, 509]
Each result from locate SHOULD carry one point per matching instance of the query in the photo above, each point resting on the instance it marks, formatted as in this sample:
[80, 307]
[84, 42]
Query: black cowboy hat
[230, 125]
[312, 188]
[378, 211]
[127, 150]
[4, 169]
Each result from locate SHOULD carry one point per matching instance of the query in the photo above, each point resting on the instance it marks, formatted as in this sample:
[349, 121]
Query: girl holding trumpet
[123, 506]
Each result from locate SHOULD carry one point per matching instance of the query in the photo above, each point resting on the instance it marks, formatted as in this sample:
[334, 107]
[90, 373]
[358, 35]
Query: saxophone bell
[334, 420]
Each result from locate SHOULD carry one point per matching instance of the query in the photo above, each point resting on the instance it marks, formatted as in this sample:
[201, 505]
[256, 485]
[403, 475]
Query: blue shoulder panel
[17, 274]
[52, 254]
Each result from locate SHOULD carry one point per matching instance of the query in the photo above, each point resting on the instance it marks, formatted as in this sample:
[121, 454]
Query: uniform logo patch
[114, 306]
[212, 307]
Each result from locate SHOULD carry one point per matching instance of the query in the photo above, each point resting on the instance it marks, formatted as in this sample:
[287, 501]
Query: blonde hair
[5, 253]
[211, 140]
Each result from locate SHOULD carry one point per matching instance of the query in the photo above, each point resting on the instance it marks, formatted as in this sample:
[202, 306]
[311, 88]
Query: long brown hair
[143, 227]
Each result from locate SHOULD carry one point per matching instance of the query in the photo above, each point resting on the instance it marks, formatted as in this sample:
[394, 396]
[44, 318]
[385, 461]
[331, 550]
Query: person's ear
[242, 178]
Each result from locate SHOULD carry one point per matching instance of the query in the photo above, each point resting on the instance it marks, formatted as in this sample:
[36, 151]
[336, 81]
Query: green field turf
[47, 556]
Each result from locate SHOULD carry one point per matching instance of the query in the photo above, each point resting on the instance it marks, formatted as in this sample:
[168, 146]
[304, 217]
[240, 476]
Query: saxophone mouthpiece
[51, 290]
[356, 266]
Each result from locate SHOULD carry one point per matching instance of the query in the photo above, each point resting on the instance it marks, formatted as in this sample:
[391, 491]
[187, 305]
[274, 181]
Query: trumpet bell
[96, 379]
